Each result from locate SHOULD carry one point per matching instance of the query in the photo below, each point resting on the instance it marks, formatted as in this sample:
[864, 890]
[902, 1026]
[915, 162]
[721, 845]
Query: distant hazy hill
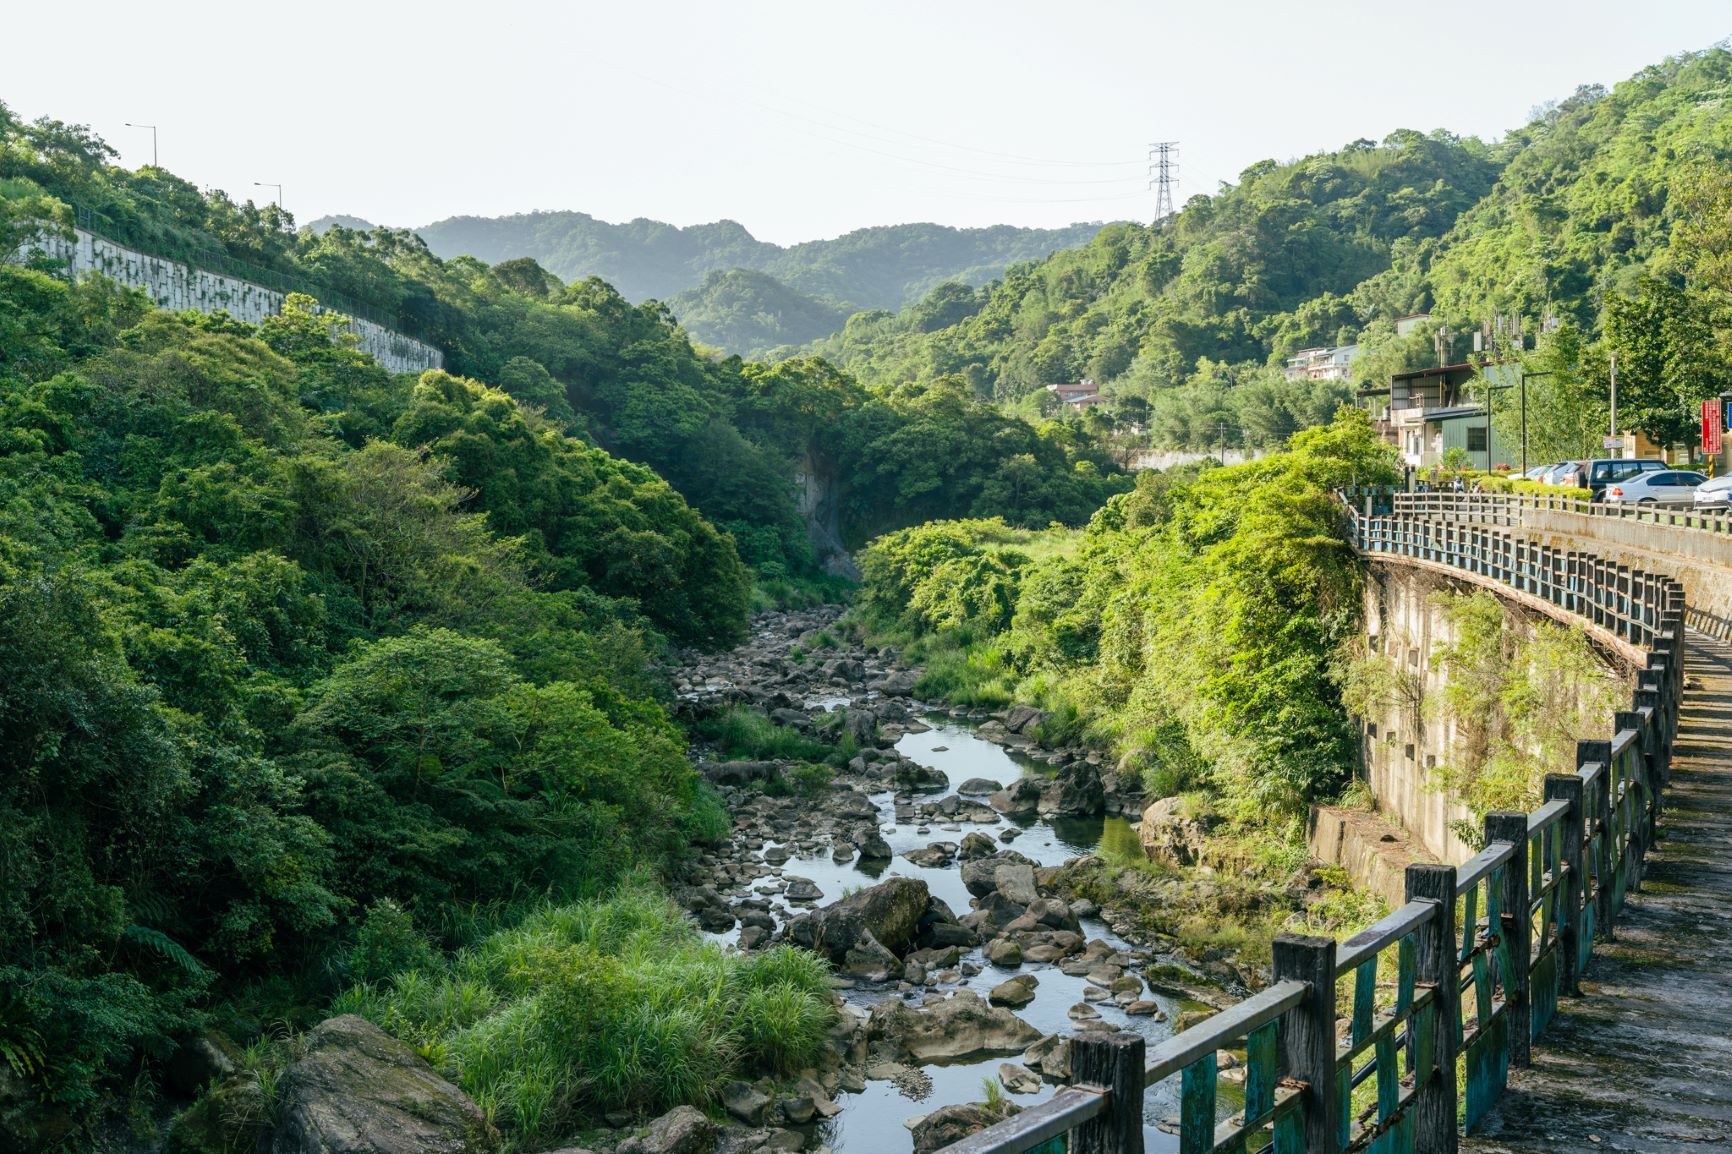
[869, 268]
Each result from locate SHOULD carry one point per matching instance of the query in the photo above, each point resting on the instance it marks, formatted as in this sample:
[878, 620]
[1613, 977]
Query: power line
[1163, 175]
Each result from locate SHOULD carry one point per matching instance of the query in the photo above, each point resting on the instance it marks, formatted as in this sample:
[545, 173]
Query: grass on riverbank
[614, 1004]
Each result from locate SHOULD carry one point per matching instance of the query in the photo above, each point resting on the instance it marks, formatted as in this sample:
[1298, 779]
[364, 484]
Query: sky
[800, 119]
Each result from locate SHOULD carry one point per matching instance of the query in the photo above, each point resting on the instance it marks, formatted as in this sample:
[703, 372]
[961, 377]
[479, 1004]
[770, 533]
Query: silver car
[1660, 487]
[1714, 495]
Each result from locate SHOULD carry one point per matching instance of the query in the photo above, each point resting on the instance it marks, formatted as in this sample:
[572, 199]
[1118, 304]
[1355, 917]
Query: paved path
[1643, 1060]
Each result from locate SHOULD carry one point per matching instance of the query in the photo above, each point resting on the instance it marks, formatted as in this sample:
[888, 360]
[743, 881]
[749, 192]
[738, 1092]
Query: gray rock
[1003, 952]
[682, 1130]
[978, 787]
[745, 1103]
[1015, 881]
[1018, 1079]
[357, 1090]
[961, 1026]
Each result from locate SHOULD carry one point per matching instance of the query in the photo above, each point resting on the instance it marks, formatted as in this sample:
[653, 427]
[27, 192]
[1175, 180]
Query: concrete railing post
[1572, 861]
[1307, 1034]
[1515, 928]
[1114, 1063]
[1434, 1130]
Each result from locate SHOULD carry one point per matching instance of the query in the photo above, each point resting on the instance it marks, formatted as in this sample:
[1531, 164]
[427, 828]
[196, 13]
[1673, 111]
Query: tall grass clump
[597, 1006]
[744, 733]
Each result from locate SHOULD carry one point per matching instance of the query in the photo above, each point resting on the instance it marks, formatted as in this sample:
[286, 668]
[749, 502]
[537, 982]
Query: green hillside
[751, 312]
[1603, 207]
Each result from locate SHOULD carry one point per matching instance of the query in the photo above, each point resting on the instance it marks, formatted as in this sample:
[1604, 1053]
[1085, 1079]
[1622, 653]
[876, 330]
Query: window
[1476, 438]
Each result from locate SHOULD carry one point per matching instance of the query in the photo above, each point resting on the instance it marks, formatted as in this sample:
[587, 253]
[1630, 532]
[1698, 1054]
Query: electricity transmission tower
[1163, 175]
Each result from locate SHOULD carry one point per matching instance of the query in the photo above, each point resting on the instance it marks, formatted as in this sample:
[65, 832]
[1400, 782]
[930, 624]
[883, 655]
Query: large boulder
[1020, 798]
[357, 1090]
[740, 772]
[1171, 836]
[1023, 718]
[682, 1130]
[961, 1026]
[950, 1124]
[1075, 792]
[867, 931]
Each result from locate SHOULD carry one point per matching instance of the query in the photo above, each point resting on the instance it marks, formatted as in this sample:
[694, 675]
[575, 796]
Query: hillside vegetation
[1601, 221]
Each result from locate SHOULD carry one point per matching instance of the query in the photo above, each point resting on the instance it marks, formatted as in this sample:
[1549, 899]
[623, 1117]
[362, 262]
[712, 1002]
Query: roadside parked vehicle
[1595, 475]
[1537, 472]
[1563, 473]
[1665, 487]
[1714, 496]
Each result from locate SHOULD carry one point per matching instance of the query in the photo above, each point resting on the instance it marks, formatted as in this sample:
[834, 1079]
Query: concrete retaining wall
[174, 285]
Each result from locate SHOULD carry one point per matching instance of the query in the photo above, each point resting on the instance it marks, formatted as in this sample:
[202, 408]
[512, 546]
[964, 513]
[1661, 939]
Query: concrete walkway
[1643, 1060]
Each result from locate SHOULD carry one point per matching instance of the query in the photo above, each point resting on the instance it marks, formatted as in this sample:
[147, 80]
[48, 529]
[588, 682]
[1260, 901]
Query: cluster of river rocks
[897, 941]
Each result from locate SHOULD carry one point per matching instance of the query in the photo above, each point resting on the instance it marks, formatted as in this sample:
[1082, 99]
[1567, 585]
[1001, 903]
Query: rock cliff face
[357, 1090]
[820, 504]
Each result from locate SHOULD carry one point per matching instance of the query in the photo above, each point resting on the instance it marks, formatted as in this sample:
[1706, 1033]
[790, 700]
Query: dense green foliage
[282, 636]
[599, 1006]
[884, 267]
[1191, 627]
[1198, 303]
[622, 376]
[750, 312]
[1602, 220]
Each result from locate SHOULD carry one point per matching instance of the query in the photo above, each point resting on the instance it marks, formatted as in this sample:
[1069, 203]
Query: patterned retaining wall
[174, 285]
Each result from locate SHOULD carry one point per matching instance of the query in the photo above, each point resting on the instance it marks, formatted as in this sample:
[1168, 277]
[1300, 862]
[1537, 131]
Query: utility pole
[1613, 431]
[152, 128]
[1163, 175]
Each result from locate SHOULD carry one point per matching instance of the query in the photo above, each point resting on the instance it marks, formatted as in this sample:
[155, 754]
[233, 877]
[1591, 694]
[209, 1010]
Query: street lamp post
[278, 187]
[1525, 376]
[152, 128]
[1490, 397]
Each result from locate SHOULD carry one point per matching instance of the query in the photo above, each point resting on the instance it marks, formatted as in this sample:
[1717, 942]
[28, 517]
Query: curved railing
[1470, 968]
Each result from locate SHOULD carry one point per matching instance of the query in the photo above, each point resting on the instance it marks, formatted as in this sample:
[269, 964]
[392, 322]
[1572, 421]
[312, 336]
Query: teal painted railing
[1471, 967]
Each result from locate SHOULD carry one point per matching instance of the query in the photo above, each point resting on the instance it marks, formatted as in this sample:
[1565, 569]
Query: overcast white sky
[798, 118]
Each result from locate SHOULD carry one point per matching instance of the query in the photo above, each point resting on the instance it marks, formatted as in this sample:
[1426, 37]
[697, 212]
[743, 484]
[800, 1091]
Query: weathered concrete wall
[1402, 750]
[1374, 853]
[174, 285]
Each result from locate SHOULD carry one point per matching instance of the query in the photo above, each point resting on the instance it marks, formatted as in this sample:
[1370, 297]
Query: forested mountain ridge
[1186, 321]
[883, 267]
[624, 377]
[750, 312]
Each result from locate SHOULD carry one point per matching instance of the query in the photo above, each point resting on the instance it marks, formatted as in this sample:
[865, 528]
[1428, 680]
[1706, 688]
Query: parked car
[1715, 495]
[1563, 473]
[1665, 487]
[1595, 475]
[1537, 473]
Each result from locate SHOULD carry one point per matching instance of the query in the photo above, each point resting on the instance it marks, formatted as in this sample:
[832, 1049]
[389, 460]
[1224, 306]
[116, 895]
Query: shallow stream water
[873, 1121]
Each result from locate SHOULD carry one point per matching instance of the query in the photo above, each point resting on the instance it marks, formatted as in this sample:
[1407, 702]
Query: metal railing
[1478, 955]
[1508, 509]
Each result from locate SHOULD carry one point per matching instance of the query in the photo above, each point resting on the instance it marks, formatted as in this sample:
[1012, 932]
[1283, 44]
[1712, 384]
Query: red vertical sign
[1713, 426]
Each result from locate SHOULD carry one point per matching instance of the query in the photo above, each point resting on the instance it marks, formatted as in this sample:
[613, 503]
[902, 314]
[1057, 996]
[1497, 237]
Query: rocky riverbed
[927, 871]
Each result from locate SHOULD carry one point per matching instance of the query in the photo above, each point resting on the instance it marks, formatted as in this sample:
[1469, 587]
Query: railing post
[1642, 780]
[1113, 1062]
[1567, 894]
[1307, 1034]
[1434, 1130]
[1600, 822]
[1516, 928]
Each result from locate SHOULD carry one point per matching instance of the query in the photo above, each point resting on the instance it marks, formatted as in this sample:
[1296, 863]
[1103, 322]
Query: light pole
[278, 187]
[1490, 397]
[152, 128]
[1525, 376]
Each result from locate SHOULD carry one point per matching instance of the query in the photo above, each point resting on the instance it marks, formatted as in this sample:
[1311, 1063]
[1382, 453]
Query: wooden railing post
[1572, 859]
[1439, 966]
[1113, 1062]
[1515, 928]
[1641, 781]
[1308, 1034]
